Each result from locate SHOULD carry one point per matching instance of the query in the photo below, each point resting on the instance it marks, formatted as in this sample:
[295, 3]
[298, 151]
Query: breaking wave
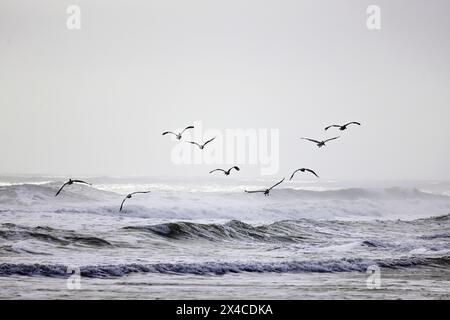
[282, 231]
[34, 192]
[12, 232]
[285, 203]
[221, 268]
[41, 194]
[291, 231]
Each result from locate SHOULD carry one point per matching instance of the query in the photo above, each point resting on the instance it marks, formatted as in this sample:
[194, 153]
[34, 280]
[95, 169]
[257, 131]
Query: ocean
[208, 239]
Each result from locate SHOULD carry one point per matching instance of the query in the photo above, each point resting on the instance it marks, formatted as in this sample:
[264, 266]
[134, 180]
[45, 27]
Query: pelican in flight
[202, 146]
[303, 170]
[342, 127]
[227, 172]
[267, 191]
[178, 135]
[129, 196]
[69, 183]
[320, 143]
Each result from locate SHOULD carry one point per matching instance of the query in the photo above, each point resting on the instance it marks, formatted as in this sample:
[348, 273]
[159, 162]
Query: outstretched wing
[121, 205]
[255, 191]
[353, 122]
[195, 143]
[217, 170]
[208, 141]
[164, 133]
[190, 127]
[81, 181]
[333, 125]
[309, 170]
[235, 168]
[293, 173]
[331, 139]
[312, 140]
[140, 192]
[60, 189]
[276, 184]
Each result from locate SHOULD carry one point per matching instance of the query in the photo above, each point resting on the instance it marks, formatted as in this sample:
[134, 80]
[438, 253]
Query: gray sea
[207, 239]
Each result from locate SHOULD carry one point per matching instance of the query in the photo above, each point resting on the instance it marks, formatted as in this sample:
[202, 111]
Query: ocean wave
[293, 231]
[7, 250]
[362, 193]
[26, 193]
[374, 244]
[12, 232]
[284, 203]
[282, 231]
[436, 236]
[38, 194]
[440, 218]
[221, 268]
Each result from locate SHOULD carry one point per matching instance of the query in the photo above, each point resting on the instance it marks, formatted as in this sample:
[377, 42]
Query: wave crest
[282, 231]
[221, 268]
[12, 232]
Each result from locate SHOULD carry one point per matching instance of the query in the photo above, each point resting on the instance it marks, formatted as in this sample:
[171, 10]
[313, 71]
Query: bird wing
[60, 189]
[312, 140]
[255, 191]
[217, 170]
[235, 168]
[353, 122]
[164, 133]
[311, 172]
[190, 127]
[208, 141]
[333, 125]
[276, 184]
[331, 139]
[81, 181]
[140, 192]
[293, 173]
[121, 205]
[195, 143]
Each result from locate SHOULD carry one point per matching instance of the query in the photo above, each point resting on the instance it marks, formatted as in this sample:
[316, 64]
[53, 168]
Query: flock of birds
[178, 136]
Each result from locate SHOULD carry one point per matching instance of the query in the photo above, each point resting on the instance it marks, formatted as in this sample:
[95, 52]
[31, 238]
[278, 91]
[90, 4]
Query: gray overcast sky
[95, 101]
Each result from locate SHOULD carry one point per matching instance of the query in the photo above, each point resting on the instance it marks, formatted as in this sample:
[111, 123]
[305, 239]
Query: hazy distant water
[208, 239]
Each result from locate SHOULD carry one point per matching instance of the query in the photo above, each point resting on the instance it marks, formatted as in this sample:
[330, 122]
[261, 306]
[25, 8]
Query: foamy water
[210, 239]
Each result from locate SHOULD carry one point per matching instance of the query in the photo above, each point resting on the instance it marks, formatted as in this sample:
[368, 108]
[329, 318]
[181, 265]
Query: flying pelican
[267, 191]
[69, 183]
[227, 172]
[303, 170]
[320, 143]
[202, 146]
[342, 127]
[178, 135]
[129, 196]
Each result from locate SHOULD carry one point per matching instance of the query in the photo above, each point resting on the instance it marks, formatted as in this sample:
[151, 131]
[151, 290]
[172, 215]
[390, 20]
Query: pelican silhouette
[227, 172]
[267, 191]
[202, 146]
[303, 170]
[69, 183]
[342, 127]
[129, 196]
[178, 135]
[320, 143]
